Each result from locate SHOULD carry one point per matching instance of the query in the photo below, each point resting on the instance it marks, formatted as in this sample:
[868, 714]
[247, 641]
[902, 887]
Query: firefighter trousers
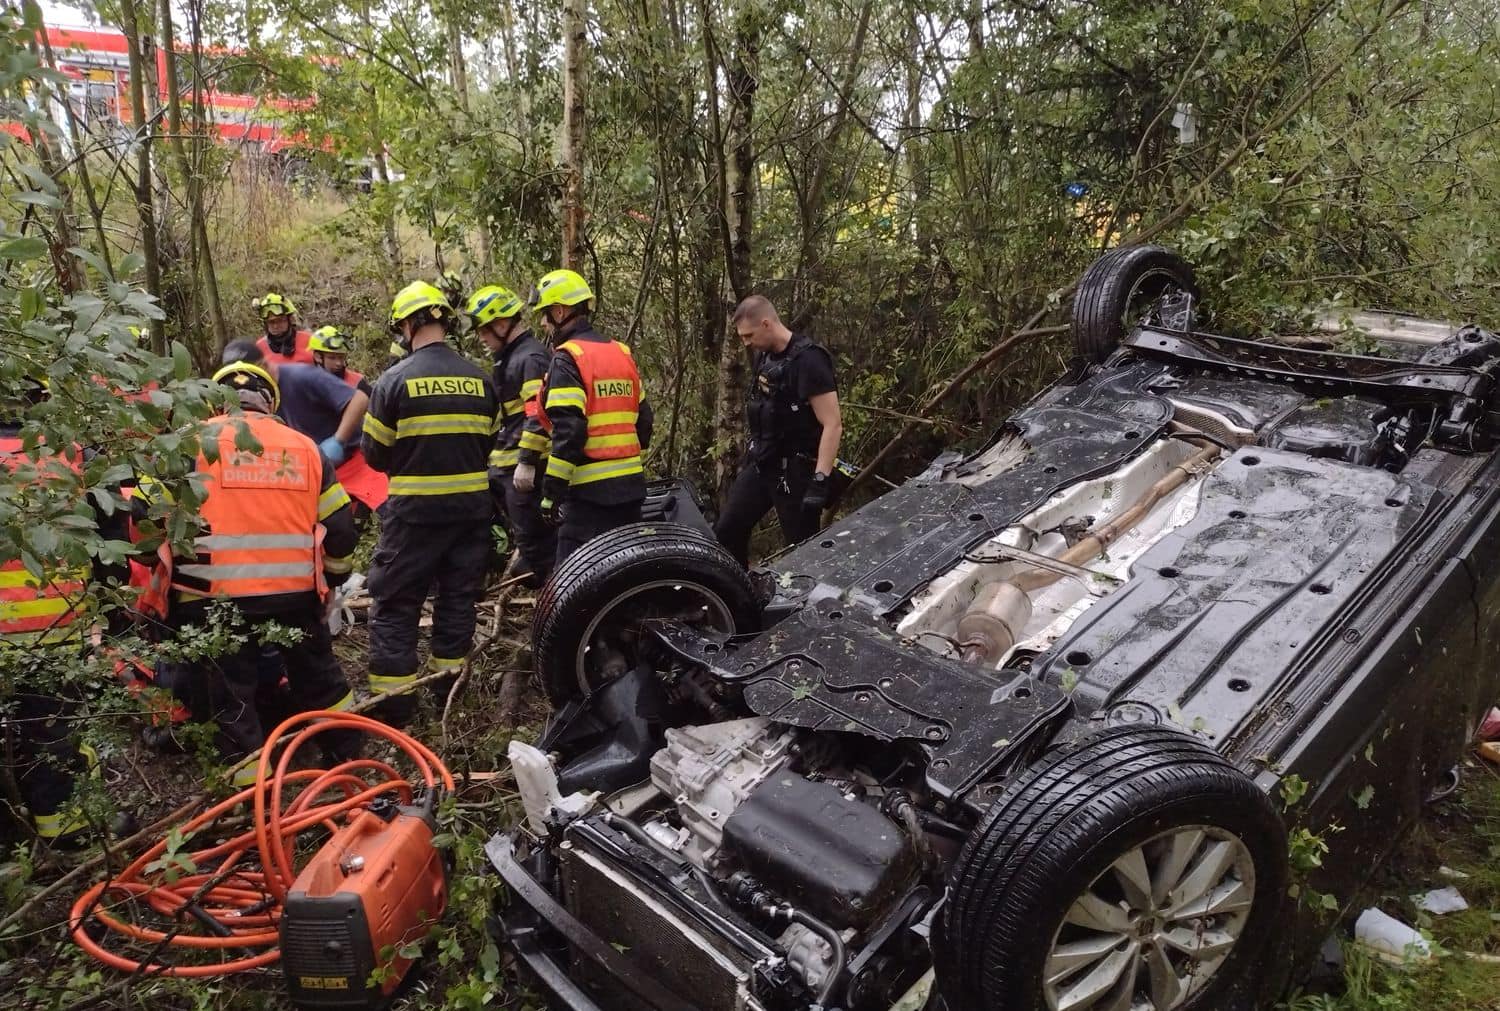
[411, 560]
[758, 489]
[536, 540]
[229, 690]
[47, 759]
[583, 521]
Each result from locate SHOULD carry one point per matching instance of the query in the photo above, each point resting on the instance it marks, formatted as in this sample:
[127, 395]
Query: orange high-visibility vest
[301, 353]
[261, 534]
[39, 609]
[612, 398]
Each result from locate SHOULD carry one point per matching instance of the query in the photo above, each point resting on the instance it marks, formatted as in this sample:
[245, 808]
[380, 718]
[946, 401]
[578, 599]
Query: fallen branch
[362, 600]
[933, 402]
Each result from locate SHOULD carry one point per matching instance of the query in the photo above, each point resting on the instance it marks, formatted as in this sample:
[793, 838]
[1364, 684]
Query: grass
[1463, 834]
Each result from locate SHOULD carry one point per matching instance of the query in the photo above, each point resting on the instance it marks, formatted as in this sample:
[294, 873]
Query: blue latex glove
[333, 450]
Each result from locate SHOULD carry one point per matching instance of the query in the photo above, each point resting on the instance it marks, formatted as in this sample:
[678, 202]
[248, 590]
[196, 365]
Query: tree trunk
[388, 217]
[810, 209]
[456, 60]
[64, 235]
[739, 214]
[203, 259]
[915, 145]
[574, 82]
[145, 209]
[520, 95]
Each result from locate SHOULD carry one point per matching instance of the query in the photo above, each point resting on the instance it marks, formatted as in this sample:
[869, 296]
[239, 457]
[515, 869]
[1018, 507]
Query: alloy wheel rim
[1151, 931]
[692, 602]
[1145, 293]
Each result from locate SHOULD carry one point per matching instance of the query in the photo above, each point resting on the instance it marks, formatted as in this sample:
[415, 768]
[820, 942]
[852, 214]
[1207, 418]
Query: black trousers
[411, 560]
[758, 489]
[47, 759]
[582, 521]
[230, 690]
[536, 539]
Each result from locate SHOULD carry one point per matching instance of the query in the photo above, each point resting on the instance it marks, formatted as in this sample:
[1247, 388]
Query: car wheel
[1119, 290]
[1133, 871]
[586, 630]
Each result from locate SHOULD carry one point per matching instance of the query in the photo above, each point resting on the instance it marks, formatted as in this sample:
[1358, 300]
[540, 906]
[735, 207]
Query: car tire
[1119, 287]
[597, 596]
[1045, 857]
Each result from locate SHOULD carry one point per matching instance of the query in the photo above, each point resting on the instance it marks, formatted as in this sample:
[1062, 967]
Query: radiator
[697, 966]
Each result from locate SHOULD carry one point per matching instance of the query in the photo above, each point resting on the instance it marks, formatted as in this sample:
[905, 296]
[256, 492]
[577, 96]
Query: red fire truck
[98, 70]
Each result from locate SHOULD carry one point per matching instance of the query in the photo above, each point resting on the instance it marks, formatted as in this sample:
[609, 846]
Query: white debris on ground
[1389, 938]
[1441, 901]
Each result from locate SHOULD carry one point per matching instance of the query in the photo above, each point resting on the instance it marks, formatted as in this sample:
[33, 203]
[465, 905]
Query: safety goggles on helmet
[249, 376]
[274, 304]
[491, 303]
[329, 340]
[560, 287]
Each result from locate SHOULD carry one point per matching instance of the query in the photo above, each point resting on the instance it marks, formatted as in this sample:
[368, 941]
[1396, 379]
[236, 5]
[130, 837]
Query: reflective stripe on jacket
[41, 608]
[261, 532]
[520, 368]
[609, 398]
[431, 426]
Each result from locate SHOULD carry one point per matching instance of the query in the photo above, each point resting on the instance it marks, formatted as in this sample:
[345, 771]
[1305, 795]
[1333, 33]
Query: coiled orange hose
[244, 903]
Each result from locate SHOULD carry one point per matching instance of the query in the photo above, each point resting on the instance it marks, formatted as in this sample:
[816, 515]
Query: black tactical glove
[817, 495]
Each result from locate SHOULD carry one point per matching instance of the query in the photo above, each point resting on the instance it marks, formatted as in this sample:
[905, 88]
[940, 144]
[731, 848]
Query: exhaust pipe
[1001, 610]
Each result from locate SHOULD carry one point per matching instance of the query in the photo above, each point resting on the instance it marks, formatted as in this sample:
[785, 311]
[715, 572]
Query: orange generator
[375, 888]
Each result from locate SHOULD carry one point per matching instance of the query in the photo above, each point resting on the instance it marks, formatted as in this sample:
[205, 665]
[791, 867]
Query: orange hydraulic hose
[245, 902]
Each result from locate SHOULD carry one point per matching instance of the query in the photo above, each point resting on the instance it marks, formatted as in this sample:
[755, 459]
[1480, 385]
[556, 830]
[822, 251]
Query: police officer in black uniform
[795, 426]
[431, 426]
[522, 445]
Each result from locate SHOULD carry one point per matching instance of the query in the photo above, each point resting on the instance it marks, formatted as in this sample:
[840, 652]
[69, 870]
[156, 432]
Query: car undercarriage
[1011, 735]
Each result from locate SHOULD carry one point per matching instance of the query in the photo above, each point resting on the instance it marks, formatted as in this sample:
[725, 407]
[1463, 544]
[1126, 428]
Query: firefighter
[282, 342]
[277, 534]
[594, 405]
[431, 425]
[522, 444]
[795, 426]
[43, 621]
[330, 350]
[315, 403]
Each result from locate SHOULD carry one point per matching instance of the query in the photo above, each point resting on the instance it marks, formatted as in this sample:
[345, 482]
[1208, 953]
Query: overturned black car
[1019, 734]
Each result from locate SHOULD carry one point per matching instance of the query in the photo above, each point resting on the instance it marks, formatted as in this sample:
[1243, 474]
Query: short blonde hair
[754, 309]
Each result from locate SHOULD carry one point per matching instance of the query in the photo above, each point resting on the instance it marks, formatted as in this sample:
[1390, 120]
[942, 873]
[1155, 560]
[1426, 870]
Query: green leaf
[182, 362]
[489, 961]
[1362, 798]
[31, 304]
[36, 199]
[24, 247]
